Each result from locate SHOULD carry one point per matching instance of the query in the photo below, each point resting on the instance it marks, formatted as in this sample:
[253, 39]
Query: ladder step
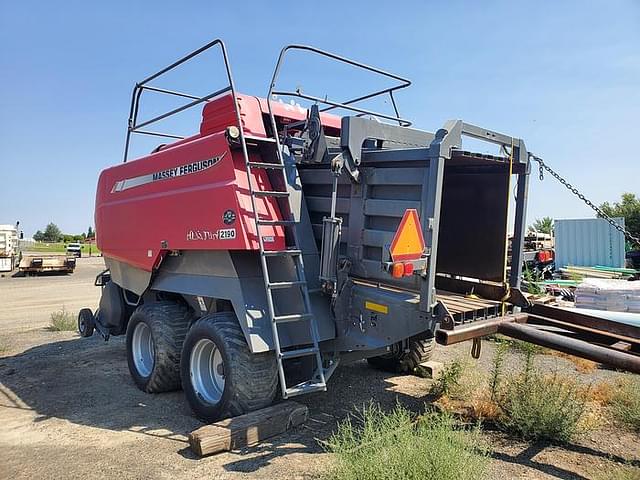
[266, 165]
[301, 352]
[278, 285]
[306, 387]
[276, 222]
[294, 317]
[270, 193]
[259, 139]
[281, 253]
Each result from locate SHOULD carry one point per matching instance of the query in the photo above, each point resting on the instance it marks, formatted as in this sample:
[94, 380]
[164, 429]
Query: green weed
[63, 321]
[375, 445]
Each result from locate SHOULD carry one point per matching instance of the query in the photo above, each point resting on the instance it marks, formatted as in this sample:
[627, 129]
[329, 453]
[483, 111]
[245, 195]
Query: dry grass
[601, 393]
[4, 345]
[625, 403]
[63, 321]
[582, 364]
[623, 472]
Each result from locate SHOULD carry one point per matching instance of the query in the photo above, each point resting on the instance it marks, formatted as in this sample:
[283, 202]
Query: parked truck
[248, 260]
[8, 247]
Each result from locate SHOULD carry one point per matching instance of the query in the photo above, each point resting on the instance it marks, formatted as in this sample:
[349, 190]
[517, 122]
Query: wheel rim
[82, 325]
[207, 371]
[142, 349]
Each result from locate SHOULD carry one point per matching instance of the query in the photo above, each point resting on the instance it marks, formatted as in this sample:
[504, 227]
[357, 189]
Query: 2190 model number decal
[203, 235]
[227, 233]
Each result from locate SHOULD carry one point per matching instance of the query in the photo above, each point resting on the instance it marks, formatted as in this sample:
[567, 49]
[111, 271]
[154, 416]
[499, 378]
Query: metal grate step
[282, 253]
[301, 352]
[276, 222]
[281, 285]
[306, 387]
[294, 317]
[271, 193]
[251, 138]
[266, 165]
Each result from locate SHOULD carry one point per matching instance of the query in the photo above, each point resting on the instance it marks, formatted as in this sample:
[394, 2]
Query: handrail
[348, 105]
[140, 87]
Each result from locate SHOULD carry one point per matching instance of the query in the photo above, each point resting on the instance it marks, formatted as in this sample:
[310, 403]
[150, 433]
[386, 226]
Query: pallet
[248, 429]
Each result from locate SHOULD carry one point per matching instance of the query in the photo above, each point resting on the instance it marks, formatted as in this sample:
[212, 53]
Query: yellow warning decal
[376, 307]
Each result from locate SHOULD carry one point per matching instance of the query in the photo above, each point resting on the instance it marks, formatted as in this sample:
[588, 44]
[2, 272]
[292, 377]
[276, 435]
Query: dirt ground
[68, 408]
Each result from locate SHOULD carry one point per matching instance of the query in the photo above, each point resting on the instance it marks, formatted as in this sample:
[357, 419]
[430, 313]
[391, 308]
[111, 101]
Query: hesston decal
[173, 172]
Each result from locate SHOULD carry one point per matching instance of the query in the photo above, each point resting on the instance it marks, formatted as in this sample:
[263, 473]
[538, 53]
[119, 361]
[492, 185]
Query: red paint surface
[133, 224]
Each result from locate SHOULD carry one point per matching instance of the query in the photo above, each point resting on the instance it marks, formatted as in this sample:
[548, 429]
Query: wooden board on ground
[248, 429]
[428, 369]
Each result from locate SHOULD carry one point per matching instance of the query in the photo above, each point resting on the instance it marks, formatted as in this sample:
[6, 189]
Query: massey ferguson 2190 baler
[278, 241]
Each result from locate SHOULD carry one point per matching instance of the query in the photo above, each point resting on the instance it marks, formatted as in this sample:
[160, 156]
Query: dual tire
[211, 360]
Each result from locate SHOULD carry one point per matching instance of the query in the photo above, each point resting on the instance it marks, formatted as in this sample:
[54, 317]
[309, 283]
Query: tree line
[53, 234]
[628, 207]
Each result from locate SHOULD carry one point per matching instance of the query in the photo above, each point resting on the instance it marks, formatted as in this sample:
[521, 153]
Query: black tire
[420, 350]
[168, 322]
[86, 322]
[250, 379]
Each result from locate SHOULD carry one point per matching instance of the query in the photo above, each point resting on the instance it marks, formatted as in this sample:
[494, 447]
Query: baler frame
[360, 172]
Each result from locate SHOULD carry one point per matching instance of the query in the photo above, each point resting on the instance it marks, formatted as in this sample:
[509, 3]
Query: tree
[629, 208]
[90, 232]
[38, 236]
[52, 233]
[543, 225]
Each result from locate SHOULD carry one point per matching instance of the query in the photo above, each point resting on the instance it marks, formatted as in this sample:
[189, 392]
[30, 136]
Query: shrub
[536, 406]
[625, 404]
[377, 445]
[448, 380]
[63, 321]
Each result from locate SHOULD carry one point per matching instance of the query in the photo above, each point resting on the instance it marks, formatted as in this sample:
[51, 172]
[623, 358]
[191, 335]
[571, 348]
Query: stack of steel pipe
[610, 343]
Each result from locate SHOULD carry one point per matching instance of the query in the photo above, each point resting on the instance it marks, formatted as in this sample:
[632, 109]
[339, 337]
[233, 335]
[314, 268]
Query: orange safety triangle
[408, 242]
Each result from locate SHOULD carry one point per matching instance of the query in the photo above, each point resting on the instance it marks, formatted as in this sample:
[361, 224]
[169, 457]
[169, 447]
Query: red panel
[199, 186]
[187, 211]
[218, 114]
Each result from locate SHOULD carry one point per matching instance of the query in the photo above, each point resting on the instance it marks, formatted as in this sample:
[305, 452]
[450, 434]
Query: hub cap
[207, 371]
[143, 349]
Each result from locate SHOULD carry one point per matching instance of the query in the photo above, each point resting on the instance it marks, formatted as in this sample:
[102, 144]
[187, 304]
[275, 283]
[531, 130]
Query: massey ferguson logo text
[173, 172]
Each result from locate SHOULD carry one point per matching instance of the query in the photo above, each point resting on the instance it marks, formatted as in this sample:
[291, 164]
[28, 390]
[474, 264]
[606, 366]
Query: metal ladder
[318, 380]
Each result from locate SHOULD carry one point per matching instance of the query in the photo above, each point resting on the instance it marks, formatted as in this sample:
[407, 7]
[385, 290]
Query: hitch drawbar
[609, 343]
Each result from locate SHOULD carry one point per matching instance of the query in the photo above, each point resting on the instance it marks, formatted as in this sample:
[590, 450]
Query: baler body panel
[171, 200]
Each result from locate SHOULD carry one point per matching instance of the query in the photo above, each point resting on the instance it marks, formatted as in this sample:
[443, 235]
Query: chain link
[543, 166]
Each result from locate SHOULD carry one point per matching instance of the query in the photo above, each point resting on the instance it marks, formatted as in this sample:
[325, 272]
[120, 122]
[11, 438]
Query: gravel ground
[68, 408]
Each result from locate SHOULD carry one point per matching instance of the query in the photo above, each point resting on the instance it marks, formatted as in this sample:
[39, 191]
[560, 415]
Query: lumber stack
[599, 271]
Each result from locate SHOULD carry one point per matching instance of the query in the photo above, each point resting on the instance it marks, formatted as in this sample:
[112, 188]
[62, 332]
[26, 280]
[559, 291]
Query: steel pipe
[579, 348]
[476, 329]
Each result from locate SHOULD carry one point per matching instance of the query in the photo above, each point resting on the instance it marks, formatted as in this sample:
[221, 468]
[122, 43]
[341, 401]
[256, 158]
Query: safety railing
[331, 104]
[137, 128]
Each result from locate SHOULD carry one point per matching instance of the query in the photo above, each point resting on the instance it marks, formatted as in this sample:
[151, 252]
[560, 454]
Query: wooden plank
[428, 369]
[248, 429]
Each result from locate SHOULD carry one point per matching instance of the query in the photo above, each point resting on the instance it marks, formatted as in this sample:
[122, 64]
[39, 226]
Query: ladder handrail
[140, 87]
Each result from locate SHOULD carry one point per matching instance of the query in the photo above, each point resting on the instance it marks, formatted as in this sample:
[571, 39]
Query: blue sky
[565, 76]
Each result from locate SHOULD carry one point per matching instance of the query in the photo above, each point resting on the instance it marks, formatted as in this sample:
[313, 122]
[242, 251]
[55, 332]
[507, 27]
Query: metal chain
[543, 166]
